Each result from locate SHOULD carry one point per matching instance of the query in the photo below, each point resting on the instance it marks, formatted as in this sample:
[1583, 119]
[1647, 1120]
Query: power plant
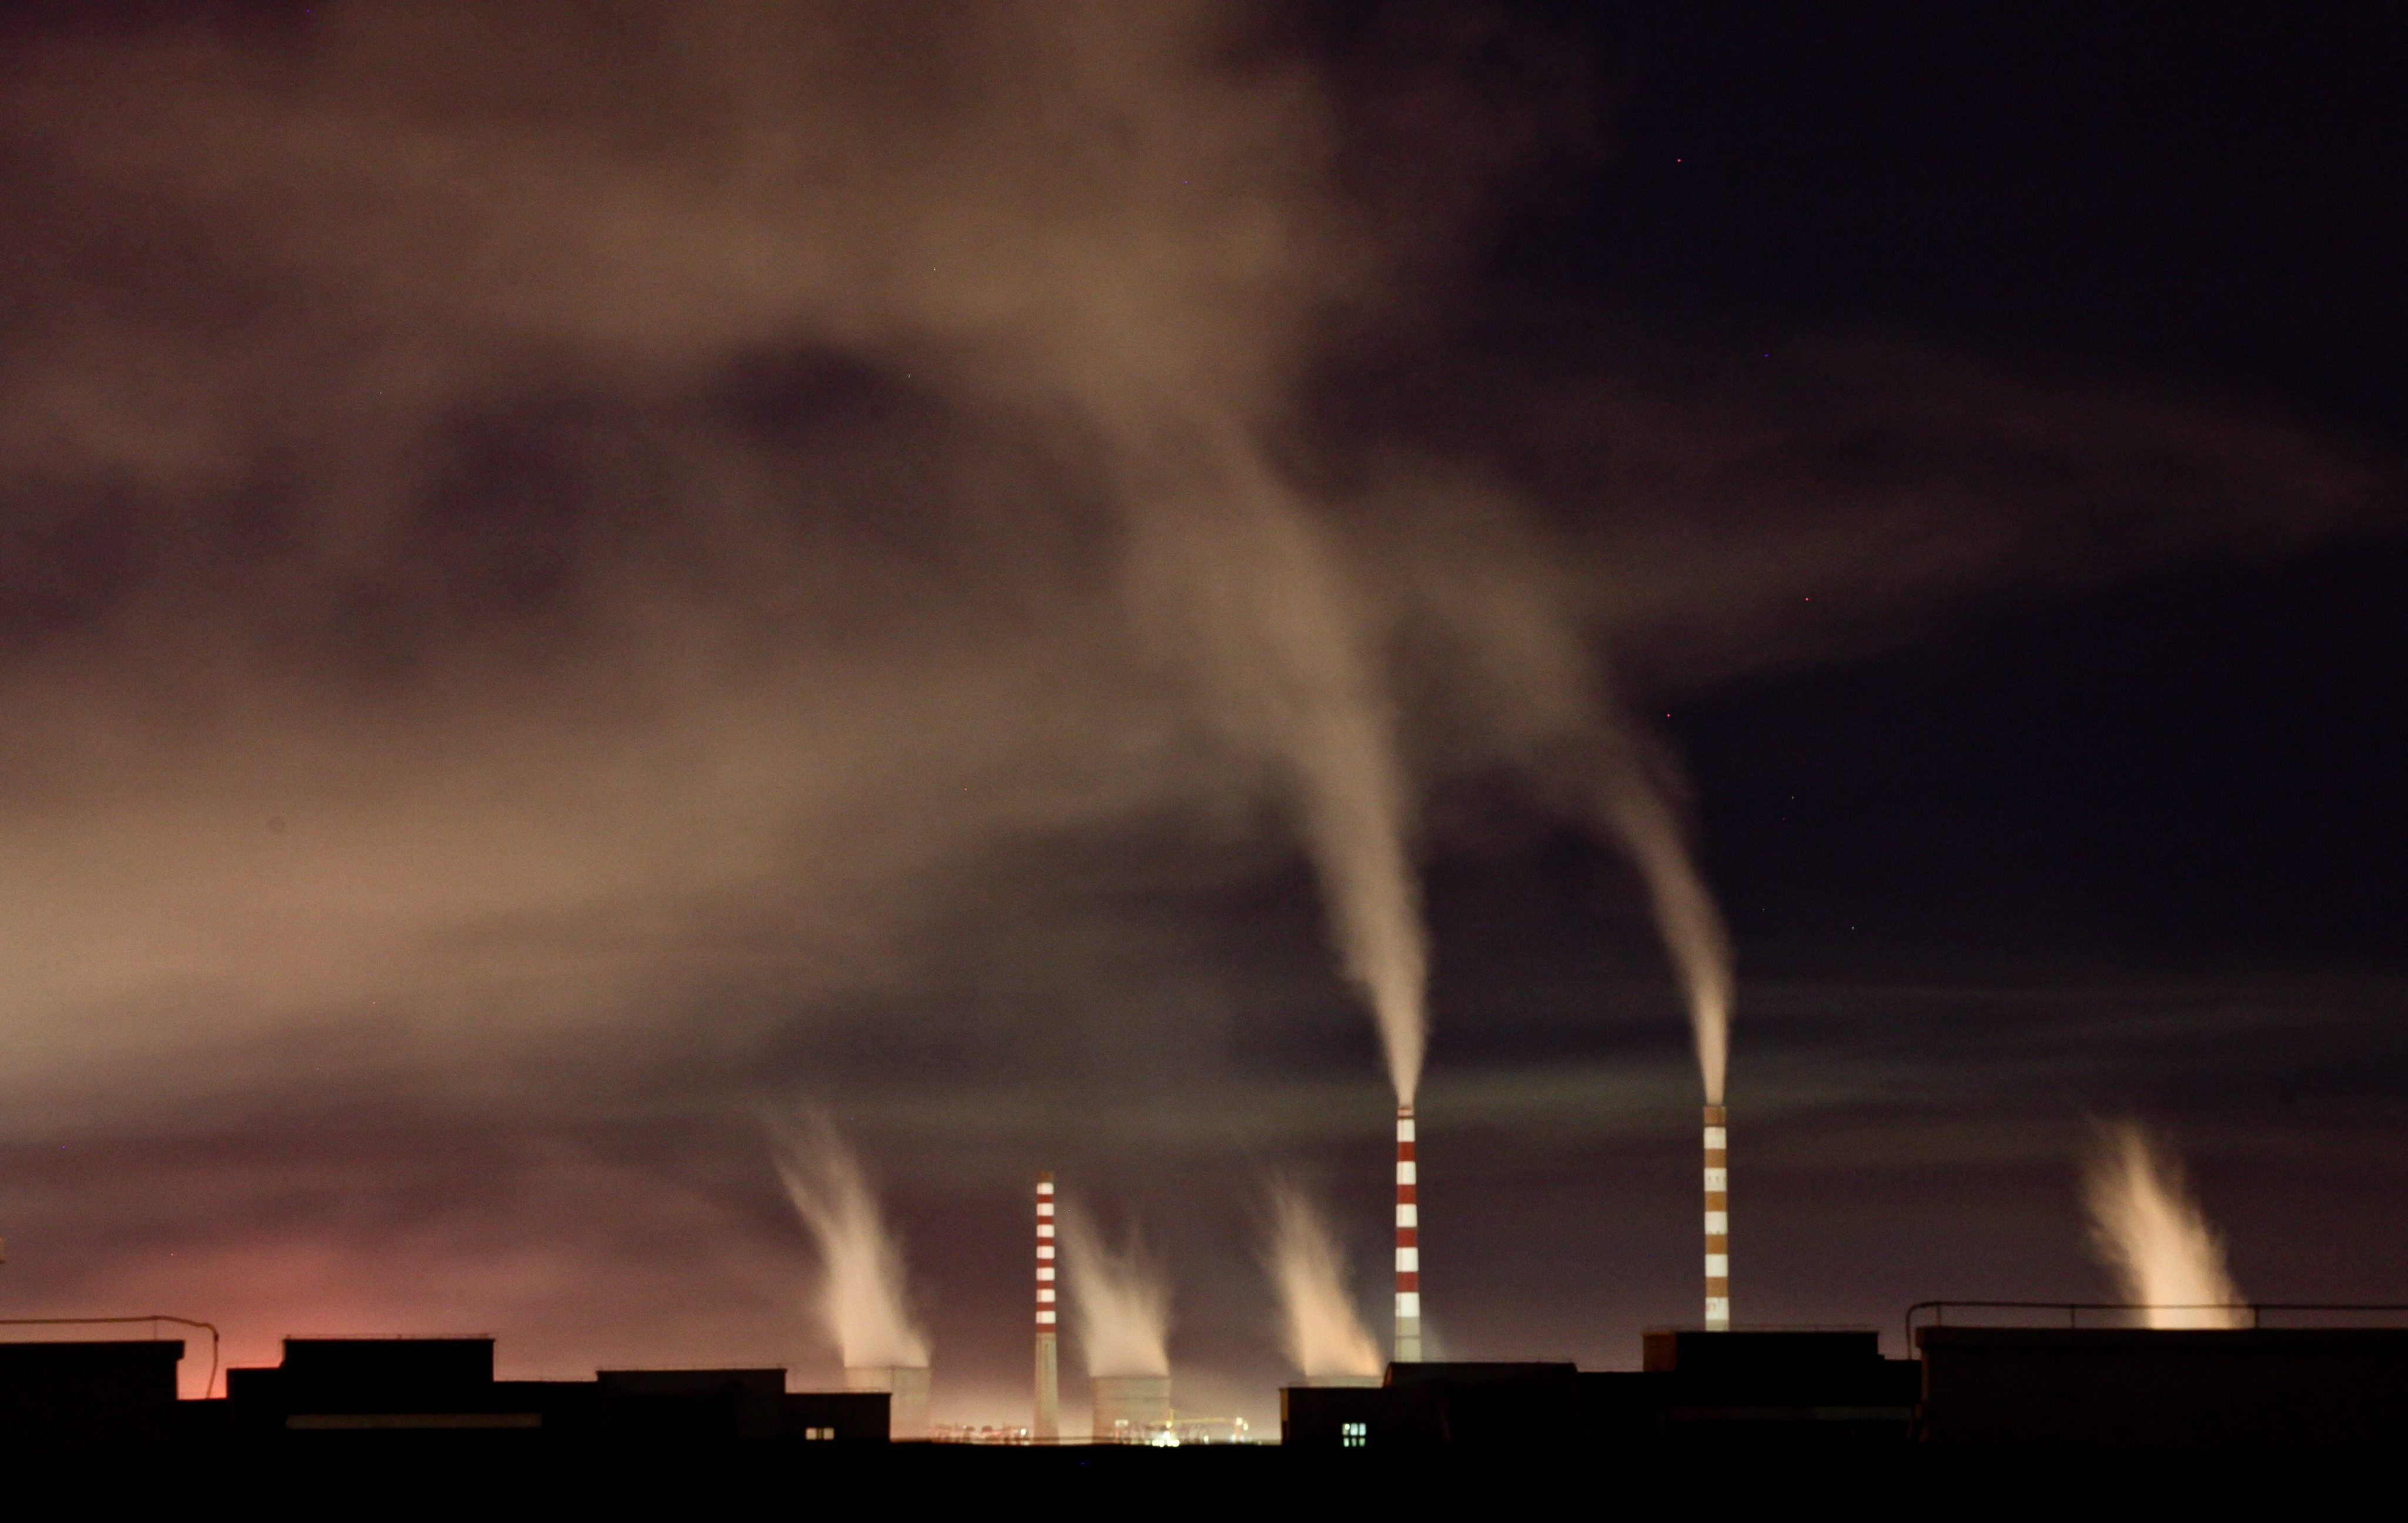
[652, 654]
[1973, 1379]
[1978, 1380]
[2142, 1376]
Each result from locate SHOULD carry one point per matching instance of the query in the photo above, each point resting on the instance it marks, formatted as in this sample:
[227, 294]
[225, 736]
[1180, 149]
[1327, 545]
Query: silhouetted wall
[339, 1391]
[2125, 1389]
[1698, 1389]
[85, 1398]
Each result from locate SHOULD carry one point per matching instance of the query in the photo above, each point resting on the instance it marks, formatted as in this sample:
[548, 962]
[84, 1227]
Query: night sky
[580, 580]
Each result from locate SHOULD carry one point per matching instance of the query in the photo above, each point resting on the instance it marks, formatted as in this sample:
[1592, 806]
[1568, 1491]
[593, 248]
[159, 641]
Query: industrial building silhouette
[1696, 1388]
[102, 1397]
[1972, 1390]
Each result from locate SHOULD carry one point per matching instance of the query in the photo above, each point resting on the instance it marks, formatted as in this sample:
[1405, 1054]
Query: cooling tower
[1717, 1221]
[1048, 1427]
[1409, 1249]
[907, 1385]
[1131, 1409]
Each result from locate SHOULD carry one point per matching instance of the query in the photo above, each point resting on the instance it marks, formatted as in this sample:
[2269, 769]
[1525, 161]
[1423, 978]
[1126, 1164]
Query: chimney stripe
[1717, 1218]
[1046, 1428]
[1409, 1257]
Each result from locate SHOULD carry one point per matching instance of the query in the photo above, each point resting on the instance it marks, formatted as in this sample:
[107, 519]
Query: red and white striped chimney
[1048, 1429]
[1717, 1220]
[1409, 1245]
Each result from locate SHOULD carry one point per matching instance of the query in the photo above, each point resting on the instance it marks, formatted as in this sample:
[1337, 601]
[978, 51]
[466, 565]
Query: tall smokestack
[1048, 1368]
[1409, 1245]
[1717, 1220]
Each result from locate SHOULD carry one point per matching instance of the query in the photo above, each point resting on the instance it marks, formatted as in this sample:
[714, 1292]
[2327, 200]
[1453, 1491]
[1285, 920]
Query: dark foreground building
[120, 1398]
[1979, 1413]
[1972, 1392]
[1696, 1391]
[331, 1387]
[84, 1398]
[2129, 1391]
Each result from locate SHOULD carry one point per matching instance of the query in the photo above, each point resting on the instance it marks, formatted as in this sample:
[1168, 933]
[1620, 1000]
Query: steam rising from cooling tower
[1120, 1300]
[1324, 1334]
[2150, 1232]
[862, 1300]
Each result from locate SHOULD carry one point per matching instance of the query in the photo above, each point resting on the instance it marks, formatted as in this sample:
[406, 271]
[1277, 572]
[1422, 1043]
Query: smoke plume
[1545, 696]
[1636, 805]
[2149, 1232]
[1322, 1332]
[540, 519]
[1278, 641]
[862, 1300]
[1119, 1297]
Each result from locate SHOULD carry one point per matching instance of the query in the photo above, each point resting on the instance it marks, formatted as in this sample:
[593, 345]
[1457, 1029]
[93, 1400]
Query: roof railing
[2244, 1315]
[153, 1319]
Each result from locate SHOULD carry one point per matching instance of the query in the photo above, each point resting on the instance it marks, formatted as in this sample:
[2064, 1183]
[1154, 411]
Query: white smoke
[1324, 1332]
[862, 1300]
[1252, 599]
[1636, 807]
[1120, 1299]
[1543, 694]
[2149, 1232]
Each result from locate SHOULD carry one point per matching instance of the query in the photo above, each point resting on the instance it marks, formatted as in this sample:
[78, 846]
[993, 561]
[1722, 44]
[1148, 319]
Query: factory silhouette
[1980, 1381]
[1977, 1411]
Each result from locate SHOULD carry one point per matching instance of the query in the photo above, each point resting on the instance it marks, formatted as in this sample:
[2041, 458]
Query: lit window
[817, 1435]
[1353, 1435]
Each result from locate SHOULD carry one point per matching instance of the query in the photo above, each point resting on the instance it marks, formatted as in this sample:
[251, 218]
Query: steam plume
[1120, 1298]
[862, 1300]
[1325, 1335]
[1276, 636]
[1543, 692]
[1636, 808]
[2150, 1232]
